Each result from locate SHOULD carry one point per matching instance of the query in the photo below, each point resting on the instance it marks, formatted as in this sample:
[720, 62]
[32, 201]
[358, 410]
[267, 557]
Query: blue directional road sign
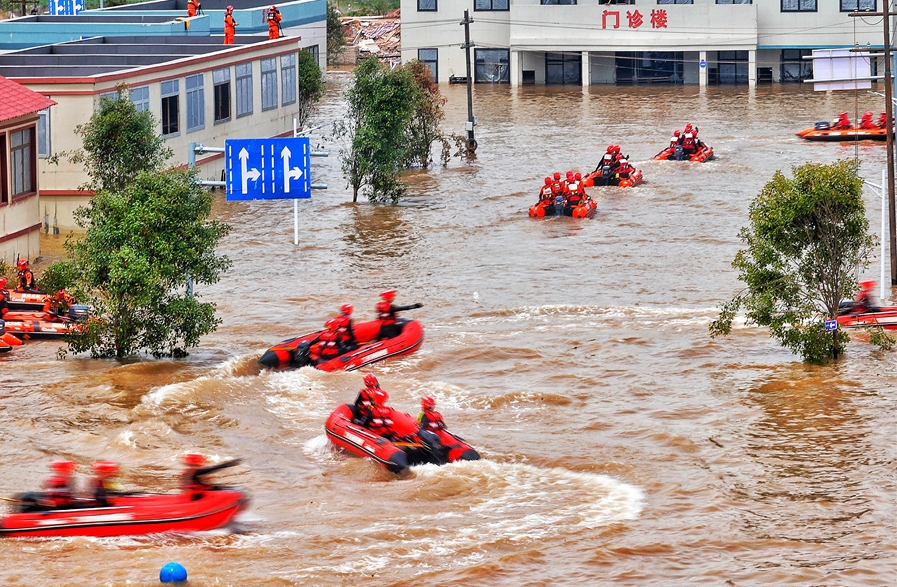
[65, 7]
[831, 325]
[268, 169]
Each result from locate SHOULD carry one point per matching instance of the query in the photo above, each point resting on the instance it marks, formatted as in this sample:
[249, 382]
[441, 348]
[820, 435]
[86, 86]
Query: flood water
[620, 444]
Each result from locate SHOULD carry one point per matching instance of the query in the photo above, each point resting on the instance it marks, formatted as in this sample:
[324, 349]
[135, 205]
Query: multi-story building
[585, 42]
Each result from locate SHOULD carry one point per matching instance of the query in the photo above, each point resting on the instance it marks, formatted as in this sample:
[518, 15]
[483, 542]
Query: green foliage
[880, 338]
[59, 275]
[311, 87]
[373, 7]
[379, 110]
[423, 128]
[118, 143]
[807, 241]
[143, 246]
[336, 39]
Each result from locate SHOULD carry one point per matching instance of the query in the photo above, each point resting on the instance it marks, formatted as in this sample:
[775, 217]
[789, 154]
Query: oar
[12, 499]
[218, 467]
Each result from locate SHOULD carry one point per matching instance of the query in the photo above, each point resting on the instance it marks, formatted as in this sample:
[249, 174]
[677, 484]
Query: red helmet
[616, 148]
[842, 114]
[22, 264]
[193, 459]
[2, 282]
[577, 176]
[104, 468]
[64, 467]
[868, 113]
[547, 181]
[346, 309]
[230, 8]
[569, 175]
[273, 7]
[676, 133]
[331, 324]
[610, 148]
[557, 174]
[371, 381]
[379, 397]
[388, 295]
[427, 403]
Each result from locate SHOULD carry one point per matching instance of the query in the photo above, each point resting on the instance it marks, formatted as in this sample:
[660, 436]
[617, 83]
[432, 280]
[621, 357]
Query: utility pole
[471, 119]
[889, 114]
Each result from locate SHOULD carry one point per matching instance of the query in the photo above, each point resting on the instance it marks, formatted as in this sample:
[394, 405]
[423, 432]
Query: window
[221, 88]
[556, 2]
[170, 112]
[616, 1]
[269, 83]
[857, 5]
[429, 58]
[288, 78]
[140, 97]
[563, 68]
[196, 115]
[244, 89]
[113, 95]
[794, 68]
[675, 1]
[492, 65]
[426, 5]
[798, 5]
[21, 158]
[491, 4]
[315, 52]
[734, 2]
[43, 134]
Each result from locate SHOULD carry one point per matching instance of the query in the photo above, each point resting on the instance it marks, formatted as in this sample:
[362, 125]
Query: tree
[118, 142]
[807, 242]
[144, 247]
[423, 129]
[311, 87]
[336, 39]
[378, 113]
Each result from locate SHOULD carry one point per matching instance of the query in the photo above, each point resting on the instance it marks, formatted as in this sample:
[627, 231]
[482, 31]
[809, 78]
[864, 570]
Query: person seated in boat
[378, 418]
[882, 120]
[57, 306]
[575, 193]
[191, 482]
[328, 344]
[386, 313]
[59, 490]
[623, 169]
[26, 277]
[842, 122]
[363, 403]
[863, 300]
[345, 333]
[429, 419]
[866, 120]
[546, 193]
[676, 139]
[102, 484]
[689, 140]
[4, 297]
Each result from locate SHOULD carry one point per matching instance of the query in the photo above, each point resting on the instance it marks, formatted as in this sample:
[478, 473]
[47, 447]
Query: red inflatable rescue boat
[586, 209]
[29, 301]
[296, 352]
[884, 317]
[823, 132]
[344, 431]
[676, 153]
[41, 324]
[603, 176]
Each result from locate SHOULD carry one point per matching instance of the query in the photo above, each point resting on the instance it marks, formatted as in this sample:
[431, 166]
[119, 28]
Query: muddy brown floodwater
[621, 445]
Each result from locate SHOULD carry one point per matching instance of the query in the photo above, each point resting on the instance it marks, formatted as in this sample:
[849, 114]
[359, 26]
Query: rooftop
[19, 100]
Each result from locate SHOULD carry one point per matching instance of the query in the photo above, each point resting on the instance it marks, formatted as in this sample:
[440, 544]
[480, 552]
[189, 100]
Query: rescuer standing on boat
[230, 26]
[59, 490]
[345, 334]
[274, 17]
[26, 277]
[193, 7]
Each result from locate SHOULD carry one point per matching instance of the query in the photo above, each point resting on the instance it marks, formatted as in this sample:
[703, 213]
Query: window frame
[557, 2]
[22, 163]
[799, 9]
[491, 7]
[196, 103]
[434, 9]
[288, 79]
[243, 82]
[735, 2]
[477, 51]
[43, 134]
[268, 78]
[141, 103]
[432, 64]
[672, 2]
[857, 3]
[173, 92]
[222, 76]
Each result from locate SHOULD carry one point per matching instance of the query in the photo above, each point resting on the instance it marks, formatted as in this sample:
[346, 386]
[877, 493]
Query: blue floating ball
[173, 573]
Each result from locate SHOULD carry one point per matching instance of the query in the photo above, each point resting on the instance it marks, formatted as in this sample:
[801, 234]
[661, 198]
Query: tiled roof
[17, 100]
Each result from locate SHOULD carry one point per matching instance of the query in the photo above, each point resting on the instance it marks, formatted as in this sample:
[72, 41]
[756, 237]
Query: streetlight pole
[471, 119]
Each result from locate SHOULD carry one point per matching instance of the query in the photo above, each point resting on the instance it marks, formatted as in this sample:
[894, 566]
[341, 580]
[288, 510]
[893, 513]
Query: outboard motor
[679, 153]
[2, 327]
[823, 125]
[559, 205]
[78, 312]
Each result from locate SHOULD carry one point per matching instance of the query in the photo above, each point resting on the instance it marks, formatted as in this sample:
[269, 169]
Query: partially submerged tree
[336, 39]
[144, 248]
[118, 143]
[311, 87]
[392, 121]
[807, 241]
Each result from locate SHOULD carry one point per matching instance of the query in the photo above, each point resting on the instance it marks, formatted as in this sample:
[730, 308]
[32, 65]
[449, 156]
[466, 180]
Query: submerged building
[586, 42]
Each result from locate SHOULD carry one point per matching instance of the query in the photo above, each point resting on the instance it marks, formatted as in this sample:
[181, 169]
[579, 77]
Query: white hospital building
[589, 42]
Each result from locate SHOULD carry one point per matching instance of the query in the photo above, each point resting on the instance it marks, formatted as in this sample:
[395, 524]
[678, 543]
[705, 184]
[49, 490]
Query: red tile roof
[17, 100]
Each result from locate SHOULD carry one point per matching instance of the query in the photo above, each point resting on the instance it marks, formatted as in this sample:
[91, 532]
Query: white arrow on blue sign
[268, 169]
[831, 325]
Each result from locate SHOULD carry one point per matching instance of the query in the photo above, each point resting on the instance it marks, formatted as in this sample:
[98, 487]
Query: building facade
[20, 210]
[197, 90]
[586, 42]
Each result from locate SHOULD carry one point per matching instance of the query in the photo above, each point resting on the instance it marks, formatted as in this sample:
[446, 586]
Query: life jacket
[546, 193]
[883, 121]
[380, 421]
[557, 188]
[26, 279]
[386, 312]
[58, 491]
[688, 143]
[272, 15]
[575, 197]
[328, 345]
[431, 420]
[674, 141]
